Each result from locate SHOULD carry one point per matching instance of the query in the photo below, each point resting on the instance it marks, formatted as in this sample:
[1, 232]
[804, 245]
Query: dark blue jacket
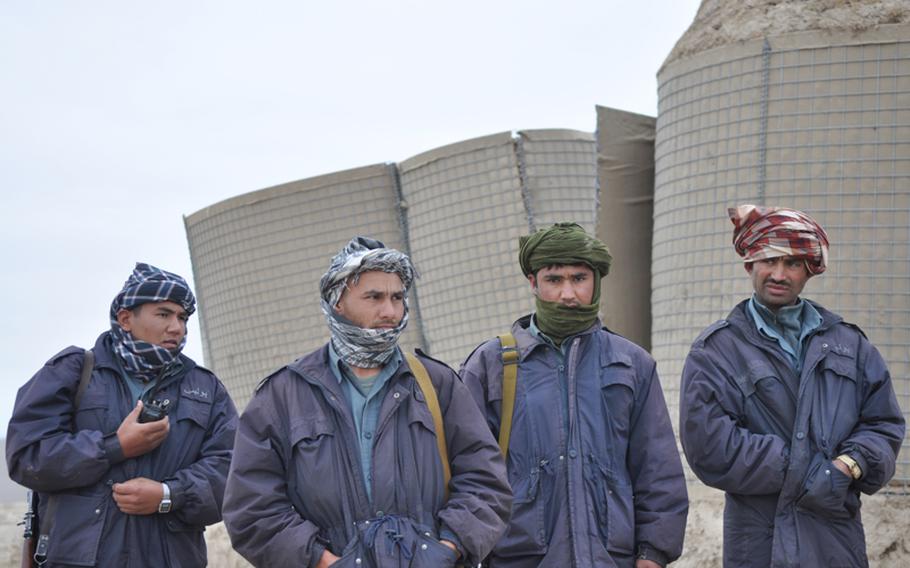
[78, 458]
[592, 460]
[752, 428]
[296, 485]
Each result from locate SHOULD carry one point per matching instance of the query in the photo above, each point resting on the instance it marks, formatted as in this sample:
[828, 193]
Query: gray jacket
[592, 459]
[751, 427]
[296, 486]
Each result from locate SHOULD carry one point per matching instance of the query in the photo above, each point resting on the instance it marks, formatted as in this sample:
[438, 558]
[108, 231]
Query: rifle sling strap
[509, 386]
[429, 393]
[88, 364]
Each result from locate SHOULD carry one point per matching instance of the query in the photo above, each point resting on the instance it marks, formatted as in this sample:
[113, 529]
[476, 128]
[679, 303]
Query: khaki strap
[429, 393]
[509, 385]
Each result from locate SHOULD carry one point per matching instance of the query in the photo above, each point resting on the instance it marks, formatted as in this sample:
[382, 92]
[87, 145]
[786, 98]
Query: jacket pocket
[194, 411]
[76, 532]
[525, 535]
[430, 553]
[615, 515]
[316, 477]
[185, 544]
[825, 489]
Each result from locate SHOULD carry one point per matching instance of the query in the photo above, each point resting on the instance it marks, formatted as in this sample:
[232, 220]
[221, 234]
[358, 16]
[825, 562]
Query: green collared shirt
[365, 398]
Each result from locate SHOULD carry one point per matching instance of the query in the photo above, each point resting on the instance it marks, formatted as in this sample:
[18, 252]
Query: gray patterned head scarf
[359, 347]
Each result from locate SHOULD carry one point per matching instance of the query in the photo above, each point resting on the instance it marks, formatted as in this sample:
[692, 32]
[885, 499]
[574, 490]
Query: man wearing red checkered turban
[788, 408]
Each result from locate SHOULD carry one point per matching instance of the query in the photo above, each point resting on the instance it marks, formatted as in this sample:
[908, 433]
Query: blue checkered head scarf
[367, 348]
[145, 285]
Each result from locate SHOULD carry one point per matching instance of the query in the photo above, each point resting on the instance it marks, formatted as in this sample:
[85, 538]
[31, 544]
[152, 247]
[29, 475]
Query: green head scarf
[564, 243]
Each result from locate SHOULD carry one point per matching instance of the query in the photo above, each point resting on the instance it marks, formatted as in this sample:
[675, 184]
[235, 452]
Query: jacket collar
[739, 317]
[316, 367]
[526, 341]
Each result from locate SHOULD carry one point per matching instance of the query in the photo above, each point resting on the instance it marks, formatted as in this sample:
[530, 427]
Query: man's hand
[843, 468]
[137, 439]
[452, 546]
[138, 496]
[646, 564]
[327, 559]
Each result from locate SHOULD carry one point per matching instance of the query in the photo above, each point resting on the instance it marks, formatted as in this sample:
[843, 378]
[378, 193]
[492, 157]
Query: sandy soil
[887, 518]
[722, 22]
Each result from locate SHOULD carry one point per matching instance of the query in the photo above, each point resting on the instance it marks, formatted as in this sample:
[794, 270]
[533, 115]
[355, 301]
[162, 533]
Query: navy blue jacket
[592, 459]
[78, 458]
[752, 428]
[296, 485]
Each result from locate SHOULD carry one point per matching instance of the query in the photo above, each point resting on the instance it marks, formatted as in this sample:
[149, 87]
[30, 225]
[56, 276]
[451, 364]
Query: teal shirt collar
[790, 325]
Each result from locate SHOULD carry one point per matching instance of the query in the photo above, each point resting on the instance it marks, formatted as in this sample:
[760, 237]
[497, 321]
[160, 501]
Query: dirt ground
[722, 22]
[886, 517]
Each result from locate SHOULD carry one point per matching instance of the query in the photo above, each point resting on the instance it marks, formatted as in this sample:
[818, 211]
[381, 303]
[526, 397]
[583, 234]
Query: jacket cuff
[316, 551]
[446, 534]
[860, 461]
[178, 492]
[110, 444]
[645, 552]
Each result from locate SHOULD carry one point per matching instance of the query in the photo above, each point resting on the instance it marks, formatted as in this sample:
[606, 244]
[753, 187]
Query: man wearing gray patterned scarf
[337, 459]
[119, 484]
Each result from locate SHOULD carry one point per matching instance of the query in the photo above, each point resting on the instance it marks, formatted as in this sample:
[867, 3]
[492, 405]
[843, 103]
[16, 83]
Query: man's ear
[125, 319]
[748, 267]
[533, 281]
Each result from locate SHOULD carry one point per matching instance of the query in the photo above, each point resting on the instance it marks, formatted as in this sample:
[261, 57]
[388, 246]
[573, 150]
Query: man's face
[778, 281]
[375, 302]
[160, 323]
[571, 285]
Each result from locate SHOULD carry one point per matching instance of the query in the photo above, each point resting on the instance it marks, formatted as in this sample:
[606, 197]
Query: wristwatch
[851, 464]
[165, 505]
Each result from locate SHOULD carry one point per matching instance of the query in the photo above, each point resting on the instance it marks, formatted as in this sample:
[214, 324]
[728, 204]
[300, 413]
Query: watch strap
[855, 470]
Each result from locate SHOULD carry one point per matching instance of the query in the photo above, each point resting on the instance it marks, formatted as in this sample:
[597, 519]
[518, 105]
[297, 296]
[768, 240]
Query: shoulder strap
[429, 393]
[88, 365]
[509, 385]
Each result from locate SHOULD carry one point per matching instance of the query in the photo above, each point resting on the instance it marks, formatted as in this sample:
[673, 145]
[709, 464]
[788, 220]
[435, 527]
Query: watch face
[165, 506]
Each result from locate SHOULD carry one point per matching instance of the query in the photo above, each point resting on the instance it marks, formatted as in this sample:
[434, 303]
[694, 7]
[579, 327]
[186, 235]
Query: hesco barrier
[458, 210]
[257, 259]
[811, 120]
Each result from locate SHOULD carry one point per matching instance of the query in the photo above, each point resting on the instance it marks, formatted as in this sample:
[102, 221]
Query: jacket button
[97, 511]
[368, 435]
[396, 395]
[379, 513]
[357, 561]
[800, 435]
[572, 454]
[827, 472]
[824, 345]
[423, 547]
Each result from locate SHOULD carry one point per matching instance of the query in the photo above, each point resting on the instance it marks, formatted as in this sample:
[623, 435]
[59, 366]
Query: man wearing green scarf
[591, 455]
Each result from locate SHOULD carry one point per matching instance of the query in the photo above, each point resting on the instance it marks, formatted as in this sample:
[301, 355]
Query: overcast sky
[119, 118]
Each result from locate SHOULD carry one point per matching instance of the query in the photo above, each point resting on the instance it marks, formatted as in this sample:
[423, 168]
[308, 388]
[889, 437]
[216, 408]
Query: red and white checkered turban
[771, 232]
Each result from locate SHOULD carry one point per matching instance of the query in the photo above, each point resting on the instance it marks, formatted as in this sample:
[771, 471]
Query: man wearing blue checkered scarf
[119, 485]
[157, 347]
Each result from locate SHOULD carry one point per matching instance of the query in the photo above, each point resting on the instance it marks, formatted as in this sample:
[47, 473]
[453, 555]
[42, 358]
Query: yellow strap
[429, 393]
[509, 384]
